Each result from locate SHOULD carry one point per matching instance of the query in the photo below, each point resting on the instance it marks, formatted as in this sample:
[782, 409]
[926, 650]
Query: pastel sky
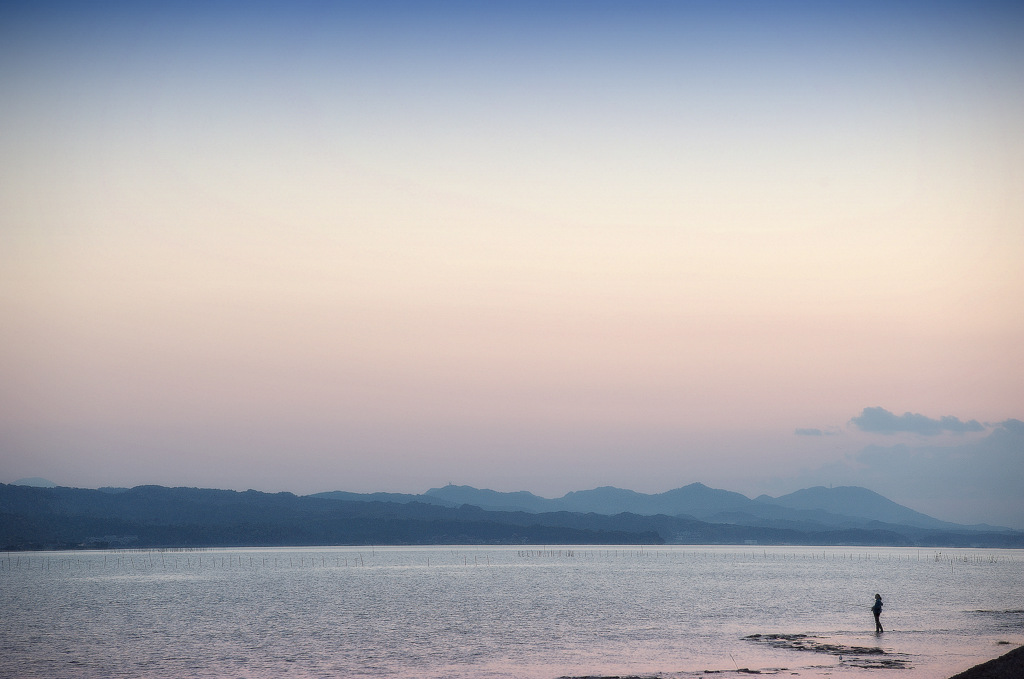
[546, 246]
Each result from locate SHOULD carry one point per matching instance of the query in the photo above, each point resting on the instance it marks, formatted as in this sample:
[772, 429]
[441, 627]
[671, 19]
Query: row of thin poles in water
[725, 555]
[138, 558]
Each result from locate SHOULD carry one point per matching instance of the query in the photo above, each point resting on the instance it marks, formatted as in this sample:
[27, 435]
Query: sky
[386, 246]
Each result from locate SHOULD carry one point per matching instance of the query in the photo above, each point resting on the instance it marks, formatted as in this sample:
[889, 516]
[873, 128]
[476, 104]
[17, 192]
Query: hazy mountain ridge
[812, 508]
[858, 502]
[156, 516]
[400, 498]
[36, 481]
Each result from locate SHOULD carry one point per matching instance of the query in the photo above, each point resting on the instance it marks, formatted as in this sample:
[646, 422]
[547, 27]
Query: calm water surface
[530, 613]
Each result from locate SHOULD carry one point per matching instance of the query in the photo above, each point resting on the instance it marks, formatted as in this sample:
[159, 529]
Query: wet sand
[1009, 666]
[852, 659]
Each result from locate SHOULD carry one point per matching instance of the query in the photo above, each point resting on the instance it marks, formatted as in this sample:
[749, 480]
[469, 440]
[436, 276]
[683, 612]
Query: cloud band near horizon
[880, 421]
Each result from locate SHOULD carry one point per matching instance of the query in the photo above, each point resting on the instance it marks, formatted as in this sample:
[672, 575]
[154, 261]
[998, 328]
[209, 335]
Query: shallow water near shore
[525, 612]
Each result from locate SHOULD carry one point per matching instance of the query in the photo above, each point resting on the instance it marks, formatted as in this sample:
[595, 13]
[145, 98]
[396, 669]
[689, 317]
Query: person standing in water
[877, 610]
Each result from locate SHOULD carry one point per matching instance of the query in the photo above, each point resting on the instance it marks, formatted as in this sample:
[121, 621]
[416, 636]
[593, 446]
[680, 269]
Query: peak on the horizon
[835, 493]
[826, 506]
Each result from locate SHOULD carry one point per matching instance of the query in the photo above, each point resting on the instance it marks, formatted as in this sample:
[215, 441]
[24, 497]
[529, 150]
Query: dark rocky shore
[1009, 666]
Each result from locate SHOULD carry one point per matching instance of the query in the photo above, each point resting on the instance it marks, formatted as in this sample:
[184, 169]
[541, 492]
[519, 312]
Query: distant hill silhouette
[858, 502]
[491, 499]
[400, 498]
[156, 516]
[809, 509]
[36, 481]
[695, 500]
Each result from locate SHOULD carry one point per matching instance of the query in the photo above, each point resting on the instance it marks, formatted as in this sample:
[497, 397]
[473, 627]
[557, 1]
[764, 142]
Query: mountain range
[808, 509]
[35, 517]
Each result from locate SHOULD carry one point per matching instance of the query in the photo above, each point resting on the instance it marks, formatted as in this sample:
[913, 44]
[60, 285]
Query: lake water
[524, 612]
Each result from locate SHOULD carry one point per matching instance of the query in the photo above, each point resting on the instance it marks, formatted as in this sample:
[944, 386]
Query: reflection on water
[529, 613]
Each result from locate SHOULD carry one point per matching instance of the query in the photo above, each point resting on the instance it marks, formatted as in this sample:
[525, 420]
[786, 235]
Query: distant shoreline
[36, 518]
[1007, 666]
